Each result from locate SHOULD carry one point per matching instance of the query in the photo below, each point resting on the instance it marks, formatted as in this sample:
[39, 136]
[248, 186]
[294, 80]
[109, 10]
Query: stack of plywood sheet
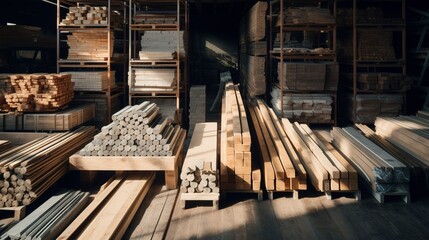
[252, 70]
[92, 81]
[309, 108]
[307, 15]
[90, 45]
[161, 45]
[31, 169]
[149, 79]
[40, 92]
[303, 76]
[383, 173]
[282, 169]
[370, 106]
[137, 130]
[85, 15]
[110, 213]
[327, 169]
[236, 158]
[197, 107]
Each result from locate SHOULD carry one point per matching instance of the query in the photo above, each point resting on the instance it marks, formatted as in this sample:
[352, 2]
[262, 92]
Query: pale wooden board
[203, 145]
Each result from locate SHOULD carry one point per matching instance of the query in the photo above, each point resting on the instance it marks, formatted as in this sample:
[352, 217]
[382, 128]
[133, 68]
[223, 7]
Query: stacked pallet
[370, 106]
[40, 92]
[375, 45]
[161, 45]
[90, 45]
[137, 130]
[383, 173]
[85, 15]
[110, 213]
[236, 158]
[153, 79]
[51, 218]
[252, 70]
[92, 80]
[303, 76]
[197, 106]
[30, 169]
[311, 108]
[282, 169]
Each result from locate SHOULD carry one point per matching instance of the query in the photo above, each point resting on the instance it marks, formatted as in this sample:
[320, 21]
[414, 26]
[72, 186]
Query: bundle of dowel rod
[138, 130]
[199, 179]
[30, 169]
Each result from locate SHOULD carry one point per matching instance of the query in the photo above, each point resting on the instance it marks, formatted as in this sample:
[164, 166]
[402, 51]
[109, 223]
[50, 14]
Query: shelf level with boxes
[303, 68]
[95, 37]
[157, 56]
[372, 56]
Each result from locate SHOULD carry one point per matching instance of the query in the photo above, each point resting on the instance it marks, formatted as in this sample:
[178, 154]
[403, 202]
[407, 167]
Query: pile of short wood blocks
[238, 171]
[86, 15]
[30, 169]
[137, 130]
[197, 179]
[90, 45]
[40, 92]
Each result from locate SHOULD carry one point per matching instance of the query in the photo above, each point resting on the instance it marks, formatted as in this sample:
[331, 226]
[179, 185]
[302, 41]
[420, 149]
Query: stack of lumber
[5, 88]
[282, 169]
[309, 108]
[51, 218]
[423, 114]
[252, 69]
[370, 106]
[236, 158]
[375, 45]
[149, 79]
[85, 15]
[101, 107]
[382, 172]
[156, 45]
[255, 48]
[419, 171]
[110, 213]
[92, 80]
[252, 25]
[379, 81]
[303, 76]
[90, 45]
[197, 106]
[332, 76]
[11, 122]
[199, 171]
[408, 133]
[151, 17]
[30, 169]
[40, 92]
[307, 15]
[167, 107]
[137, 130]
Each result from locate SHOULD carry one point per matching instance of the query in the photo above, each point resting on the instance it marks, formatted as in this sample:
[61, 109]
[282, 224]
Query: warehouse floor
[241, 216]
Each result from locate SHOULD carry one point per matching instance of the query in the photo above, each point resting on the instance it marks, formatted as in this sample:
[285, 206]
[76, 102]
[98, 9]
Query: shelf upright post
[354, 60]
[58, 34]
[281, 60]
[130, 55]
[178, 57]
[109, 40]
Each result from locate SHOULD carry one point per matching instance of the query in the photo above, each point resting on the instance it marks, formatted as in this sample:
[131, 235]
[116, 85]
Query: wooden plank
[243, 118]
[203, 145]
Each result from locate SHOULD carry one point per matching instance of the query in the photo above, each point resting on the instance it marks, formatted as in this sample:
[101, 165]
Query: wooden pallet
[357, 194]
[18, 212]
[259, 193]
[200, 197]
[295, 194]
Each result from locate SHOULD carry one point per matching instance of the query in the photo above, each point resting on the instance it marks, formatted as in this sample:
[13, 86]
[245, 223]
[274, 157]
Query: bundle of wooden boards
[51, 218]
[197, 106]
[92, 80]
[307, 15]
[137, 130]
[370, 106]
[5, 88]
[253, 23]
[85, 15]
[237, 170]
[40, 92]
[30, 169]
[161, 45]
[382, 172]
[110, 213]
[101, 105]
[379, 81]
[90, 45]
[153, 79]
[309, 108]
[252, 69]
[282, 169]
[375, 45]
[155, 17]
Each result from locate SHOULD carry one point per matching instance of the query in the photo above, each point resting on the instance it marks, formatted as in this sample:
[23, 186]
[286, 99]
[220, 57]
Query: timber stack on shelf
[302, 60]
[157, 54]
[94, 34]
[253, 50]
[372, 55]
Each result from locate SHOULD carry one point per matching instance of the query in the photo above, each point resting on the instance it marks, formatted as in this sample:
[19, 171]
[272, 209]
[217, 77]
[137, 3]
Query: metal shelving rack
[107, 64]
[180, 62]
[284, 56]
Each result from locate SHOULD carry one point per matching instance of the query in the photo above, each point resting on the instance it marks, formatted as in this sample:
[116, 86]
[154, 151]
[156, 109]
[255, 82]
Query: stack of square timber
[236, 158]
[282, 169]
[310, 108]
[137, 130]
[197, 107]
[92, 81]
[150, 79]
[307, 15]
[85, 15]
[370, 106]
[303, 76]
[40, 92]
[382, 173]
[161, 45]
[89, 45]
[253, 49]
